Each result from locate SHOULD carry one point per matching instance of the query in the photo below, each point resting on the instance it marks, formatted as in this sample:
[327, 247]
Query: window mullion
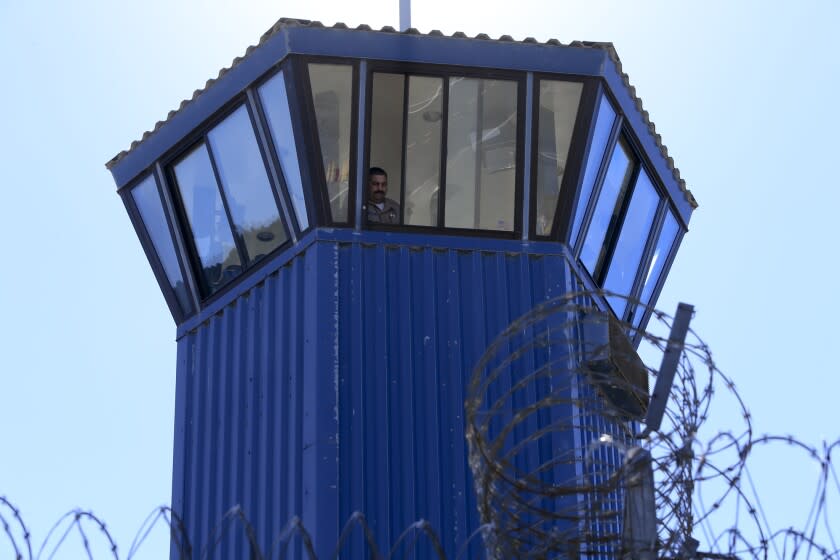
[527, 159]
[564, 213]
[180, 246]
[361, 134]
[444, 136]
[276, 175]
[404, 140]
[614, 228]
[479, 141]
[237, 236]
[615, 134]
[647, 255]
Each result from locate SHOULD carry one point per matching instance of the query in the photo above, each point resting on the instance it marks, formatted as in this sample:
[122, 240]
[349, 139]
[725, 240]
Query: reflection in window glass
[603, 125]
[147, 200]
[607, 209]
[332, 97]
[422, 150]
[251, 202]
[386, 134]
[667, 237]
[558, 109]
[206, 214]
[460, 153]
[275, 103]
[481, 154]
[631, 242]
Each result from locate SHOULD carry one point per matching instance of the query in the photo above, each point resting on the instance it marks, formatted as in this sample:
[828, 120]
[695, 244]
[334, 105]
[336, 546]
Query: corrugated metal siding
[337, 385]
[600, 463]
[414, 322]
[255, 423]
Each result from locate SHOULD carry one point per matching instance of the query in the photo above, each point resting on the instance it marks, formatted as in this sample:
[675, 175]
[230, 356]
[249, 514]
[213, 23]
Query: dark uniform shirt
[389, 214]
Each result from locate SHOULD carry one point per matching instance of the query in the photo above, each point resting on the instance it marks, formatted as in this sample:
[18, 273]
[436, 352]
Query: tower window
[332, 97]
[226, 196]
[631, 242]
[607, 211]
[557, 113]
[449, 146]
[278, 114]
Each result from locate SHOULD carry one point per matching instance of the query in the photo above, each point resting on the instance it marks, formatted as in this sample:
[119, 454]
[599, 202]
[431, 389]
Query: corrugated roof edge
[613, 54]
[291, 22]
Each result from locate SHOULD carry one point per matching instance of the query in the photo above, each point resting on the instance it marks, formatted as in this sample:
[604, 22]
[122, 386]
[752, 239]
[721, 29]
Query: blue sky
[742, 94]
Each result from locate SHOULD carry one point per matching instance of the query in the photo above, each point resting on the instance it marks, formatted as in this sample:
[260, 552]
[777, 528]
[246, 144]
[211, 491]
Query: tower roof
[289, 35]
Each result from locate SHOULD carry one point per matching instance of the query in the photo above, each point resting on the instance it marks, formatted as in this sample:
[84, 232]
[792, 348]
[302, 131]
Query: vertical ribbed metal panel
[255, 418]
[338, 384]
[413, 322]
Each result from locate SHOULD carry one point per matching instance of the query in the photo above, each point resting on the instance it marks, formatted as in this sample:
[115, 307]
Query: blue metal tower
[324, 353]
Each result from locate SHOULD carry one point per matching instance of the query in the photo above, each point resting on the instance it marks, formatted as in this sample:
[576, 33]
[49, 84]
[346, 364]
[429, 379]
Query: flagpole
[405, 14]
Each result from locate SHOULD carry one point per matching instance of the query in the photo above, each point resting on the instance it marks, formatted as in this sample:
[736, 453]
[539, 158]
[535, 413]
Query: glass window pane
[209, 224]
[558, 109]
[607, 209]
[422, 150]
[630, 246]
[332, 97]
[148, 202]
[461, 154]
[481, 154]
[603, 125]
[251, 202]
[667, 237]
[275, 103]
[386, 129]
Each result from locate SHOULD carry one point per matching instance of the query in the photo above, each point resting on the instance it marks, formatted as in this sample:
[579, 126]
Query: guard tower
[323, 358]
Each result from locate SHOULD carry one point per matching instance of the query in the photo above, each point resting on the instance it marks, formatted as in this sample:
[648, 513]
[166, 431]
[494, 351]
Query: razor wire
[554, 428]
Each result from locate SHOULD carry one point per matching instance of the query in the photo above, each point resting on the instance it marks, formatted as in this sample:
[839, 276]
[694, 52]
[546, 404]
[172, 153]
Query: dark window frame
[578, 149]
[192, 250]
[647, 254]
[650, 242]
[639, 162]
[659, 282]
[251, 108]
[277, 176]
[300, 131]
[238, 238]
[301, 105]
[314, 160]
[622, 203]
[199, 137]
[601, 91]
[141, 229]
[403, 141]
[620, 129]
[615, 134]
[446, 72]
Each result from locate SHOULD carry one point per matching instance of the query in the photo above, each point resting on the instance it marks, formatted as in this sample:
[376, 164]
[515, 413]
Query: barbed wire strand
[75, 518]
[8, 530]
[553, 417]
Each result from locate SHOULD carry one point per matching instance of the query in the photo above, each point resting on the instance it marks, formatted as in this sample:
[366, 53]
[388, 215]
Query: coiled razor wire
[553, 416]
[554, 425]
[418, 534]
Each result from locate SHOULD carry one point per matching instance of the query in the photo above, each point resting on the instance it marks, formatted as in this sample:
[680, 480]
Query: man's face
[377, 188]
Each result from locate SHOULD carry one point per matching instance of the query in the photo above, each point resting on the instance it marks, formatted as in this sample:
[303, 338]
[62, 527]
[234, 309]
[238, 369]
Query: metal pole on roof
[405, 14]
